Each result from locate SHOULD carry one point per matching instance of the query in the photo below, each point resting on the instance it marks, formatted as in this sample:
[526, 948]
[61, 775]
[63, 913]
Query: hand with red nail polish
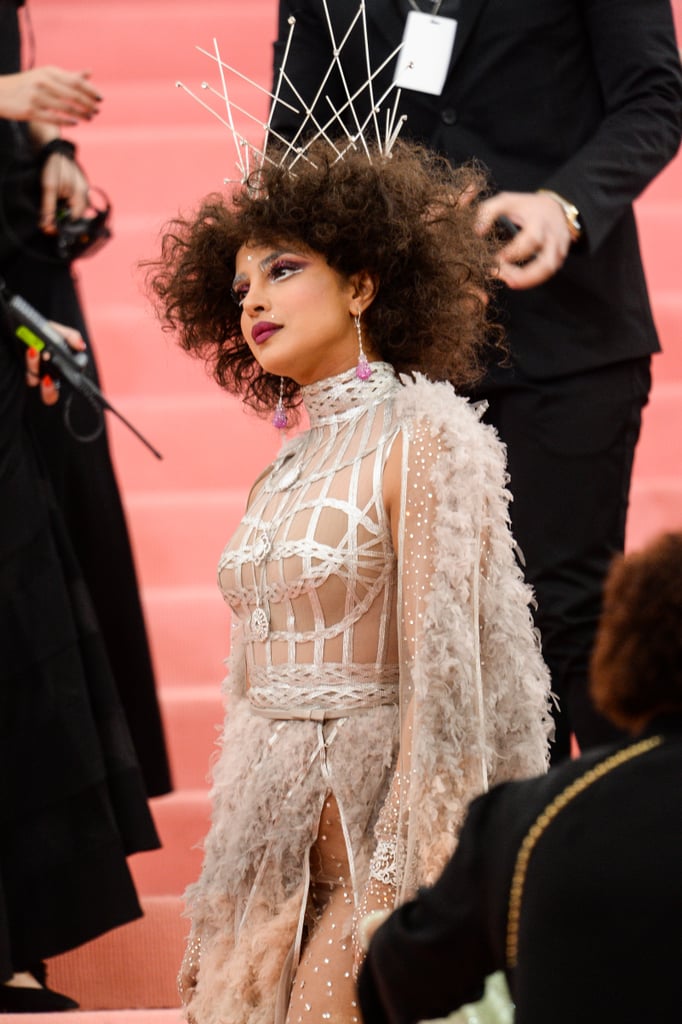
[49, 385]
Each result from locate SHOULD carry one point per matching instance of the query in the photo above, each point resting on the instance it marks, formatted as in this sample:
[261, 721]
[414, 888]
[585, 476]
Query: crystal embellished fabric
[372, 691]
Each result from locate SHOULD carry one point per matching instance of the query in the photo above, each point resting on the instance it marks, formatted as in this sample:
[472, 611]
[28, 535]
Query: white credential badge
[424, 59]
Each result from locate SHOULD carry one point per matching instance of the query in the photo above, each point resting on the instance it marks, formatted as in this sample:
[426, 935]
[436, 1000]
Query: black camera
[84, 236]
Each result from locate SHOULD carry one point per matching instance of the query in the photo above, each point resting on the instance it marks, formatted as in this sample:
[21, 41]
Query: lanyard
[435, 6]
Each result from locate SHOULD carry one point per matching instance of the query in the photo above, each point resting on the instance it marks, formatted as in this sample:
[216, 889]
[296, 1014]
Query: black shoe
[16, 999]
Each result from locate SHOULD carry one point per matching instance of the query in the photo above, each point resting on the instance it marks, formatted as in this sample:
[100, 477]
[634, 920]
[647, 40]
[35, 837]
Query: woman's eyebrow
[264, 264]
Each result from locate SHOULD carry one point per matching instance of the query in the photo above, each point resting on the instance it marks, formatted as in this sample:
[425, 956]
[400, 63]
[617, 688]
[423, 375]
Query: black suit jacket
[583, 97]
[599, 936]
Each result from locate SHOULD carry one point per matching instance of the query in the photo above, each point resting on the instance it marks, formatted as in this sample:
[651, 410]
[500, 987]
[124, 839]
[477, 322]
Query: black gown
[81, 473]
[73, 801]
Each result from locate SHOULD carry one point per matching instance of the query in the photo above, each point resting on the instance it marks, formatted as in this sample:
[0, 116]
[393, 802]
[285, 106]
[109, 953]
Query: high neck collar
[346, 393]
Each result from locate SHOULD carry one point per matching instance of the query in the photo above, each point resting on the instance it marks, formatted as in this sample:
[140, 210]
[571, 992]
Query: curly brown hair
[407, 219]
[636, 668]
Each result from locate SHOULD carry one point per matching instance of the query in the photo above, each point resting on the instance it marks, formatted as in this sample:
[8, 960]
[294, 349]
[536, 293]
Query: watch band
[571, 213]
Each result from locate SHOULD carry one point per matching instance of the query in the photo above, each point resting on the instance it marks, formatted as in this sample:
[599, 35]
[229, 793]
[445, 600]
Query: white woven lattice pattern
[313, 557]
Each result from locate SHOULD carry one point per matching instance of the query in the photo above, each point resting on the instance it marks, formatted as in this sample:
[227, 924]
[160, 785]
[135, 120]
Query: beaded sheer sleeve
[422, 572]
[469, 652]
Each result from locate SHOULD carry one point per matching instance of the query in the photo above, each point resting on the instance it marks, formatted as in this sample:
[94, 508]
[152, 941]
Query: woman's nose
[254, 301]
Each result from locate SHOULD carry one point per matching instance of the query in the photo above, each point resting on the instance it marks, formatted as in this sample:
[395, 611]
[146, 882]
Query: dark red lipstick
[263, 330]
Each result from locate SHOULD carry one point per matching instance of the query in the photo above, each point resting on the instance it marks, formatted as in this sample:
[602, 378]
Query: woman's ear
[364, 289]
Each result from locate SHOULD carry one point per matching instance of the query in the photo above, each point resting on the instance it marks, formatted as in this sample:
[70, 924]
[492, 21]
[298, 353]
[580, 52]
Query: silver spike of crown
[249, 156]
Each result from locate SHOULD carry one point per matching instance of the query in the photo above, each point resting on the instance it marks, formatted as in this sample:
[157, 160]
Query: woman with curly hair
[384, 667]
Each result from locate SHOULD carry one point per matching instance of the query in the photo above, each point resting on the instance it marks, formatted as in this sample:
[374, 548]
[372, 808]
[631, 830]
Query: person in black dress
[73, 797]
[81, 473]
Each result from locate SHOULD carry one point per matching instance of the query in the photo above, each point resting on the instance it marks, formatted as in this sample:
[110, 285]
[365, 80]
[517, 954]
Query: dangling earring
[279, 418]
[363, 370]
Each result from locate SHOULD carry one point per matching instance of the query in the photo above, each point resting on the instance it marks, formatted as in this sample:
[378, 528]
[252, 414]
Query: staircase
[156, 152]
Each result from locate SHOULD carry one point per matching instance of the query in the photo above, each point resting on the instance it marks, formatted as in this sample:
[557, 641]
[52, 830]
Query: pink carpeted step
[189, 629]
[660, 229]
[151, 38]
[179, 535]
[182, 821]
[133, 164]
[655, 506]
[666, 186]
[667, 307]
[158, 101]
[132, 966]
[207, 442]
[136, 358]
[659, 452]
[193, 717]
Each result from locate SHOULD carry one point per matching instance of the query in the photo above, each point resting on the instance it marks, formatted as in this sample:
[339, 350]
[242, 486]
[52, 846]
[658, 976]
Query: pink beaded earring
[279, 418]
[363, 370]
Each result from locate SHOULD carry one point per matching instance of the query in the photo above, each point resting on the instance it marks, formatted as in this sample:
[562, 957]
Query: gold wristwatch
[571, 213]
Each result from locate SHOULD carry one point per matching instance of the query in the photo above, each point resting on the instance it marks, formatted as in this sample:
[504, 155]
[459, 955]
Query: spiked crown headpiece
[346, 127]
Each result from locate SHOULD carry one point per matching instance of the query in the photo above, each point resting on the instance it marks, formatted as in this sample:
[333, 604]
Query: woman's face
[297, 312]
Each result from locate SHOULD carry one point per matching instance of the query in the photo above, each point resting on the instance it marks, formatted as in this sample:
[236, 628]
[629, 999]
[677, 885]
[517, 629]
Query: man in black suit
[583, 101]
[570, 882]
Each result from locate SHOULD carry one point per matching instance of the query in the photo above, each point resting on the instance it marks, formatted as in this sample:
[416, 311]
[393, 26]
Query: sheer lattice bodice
[310, 572]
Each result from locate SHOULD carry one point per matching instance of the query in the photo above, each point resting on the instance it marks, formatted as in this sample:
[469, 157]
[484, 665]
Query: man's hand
[543, 241]
[48, 94]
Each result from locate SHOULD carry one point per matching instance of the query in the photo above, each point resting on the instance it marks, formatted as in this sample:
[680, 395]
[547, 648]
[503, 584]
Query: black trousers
[570, 445]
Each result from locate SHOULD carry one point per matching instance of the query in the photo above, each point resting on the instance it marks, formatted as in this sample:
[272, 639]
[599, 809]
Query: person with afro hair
[384, 665]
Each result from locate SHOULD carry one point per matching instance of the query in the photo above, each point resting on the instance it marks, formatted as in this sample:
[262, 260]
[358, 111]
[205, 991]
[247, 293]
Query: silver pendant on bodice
[260, 624]
[262, 547]
[329, 401]
[260, 618]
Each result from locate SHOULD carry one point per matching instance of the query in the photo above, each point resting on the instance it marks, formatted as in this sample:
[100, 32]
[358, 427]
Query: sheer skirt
[295, 804]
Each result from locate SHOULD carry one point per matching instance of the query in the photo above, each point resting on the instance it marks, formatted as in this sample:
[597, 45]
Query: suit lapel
[467, 16]
[386, 19]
